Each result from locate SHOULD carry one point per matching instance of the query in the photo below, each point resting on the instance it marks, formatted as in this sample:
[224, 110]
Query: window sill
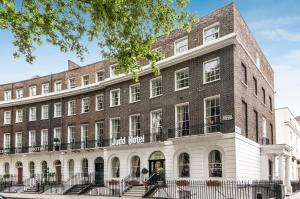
[44, 118]
[204, 83]
[183, 88]
[152, 97]
[71, 115]
[84, 112]
[57, 116]
[18, 122]
[134, 102]
[115, 106]
[99, 110]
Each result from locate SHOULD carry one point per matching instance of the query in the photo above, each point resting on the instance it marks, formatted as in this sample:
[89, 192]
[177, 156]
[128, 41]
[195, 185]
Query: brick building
[209, 115]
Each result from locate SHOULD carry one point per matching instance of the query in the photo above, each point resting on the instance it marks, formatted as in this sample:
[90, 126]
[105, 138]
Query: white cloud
[281, 34]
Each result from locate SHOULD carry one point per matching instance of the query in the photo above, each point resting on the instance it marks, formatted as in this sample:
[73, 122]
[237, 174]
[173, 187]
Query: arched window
[215, 163]
[31, 169]
[184, 165]
[6, 168]
[85, 167]
[44, 169]
[115, 167]
[71, 168]
[135, 167]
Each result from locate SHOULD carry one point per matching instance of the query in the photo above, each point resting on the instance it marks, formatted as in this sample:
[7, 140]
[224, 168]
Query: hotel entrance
[156, 162]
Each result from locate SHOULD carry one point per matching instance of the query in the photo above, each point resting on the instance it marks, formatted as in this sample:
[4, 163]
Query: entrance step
[135, 191]
[77, 189]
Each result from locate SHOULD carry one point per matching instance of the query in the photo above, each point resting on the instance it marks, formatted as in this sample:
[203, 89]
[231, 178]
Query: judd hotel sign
[128, 140]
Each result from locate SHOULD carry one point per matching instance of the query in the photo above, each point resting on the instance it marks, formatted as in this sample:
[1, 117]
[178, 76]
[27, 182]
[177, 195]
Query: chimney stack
[72, 65]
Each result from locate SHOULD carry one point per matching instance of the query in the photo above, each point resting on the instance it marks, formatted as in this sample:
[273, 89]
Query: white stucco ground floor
[212, 156]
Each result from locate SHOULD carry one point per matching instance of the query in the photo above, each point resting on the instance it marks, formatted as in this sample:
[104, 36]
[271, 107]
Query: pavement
[52, 196]
[294, 196]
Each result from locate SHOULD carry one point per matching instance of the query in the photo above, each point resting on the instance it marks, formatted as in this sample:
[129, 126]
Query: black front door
[99, 172]
[154, 165]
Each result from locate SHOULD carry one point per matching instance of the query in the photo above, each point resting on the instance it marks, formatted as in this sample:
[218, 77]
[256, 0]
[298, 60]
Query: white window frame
[17, 140]
[56, 131]
[178, 41]
[44, 142]
[70, 84]
[204, 71]
[176, 119]
[97, 101]
[7, 95]
[83, 105]
[32, 91]
[19, 115]
[7, 117]
[111, 72]
[83, 83]
[130, 92]
[154, 79]
[19, 93]
[264, 127]
[84, 135]
[98, 137]
[130, 125]
[45, 88]
[119, 95]
[44, 110]
[71, 139]
[32, 142]
[70, 107]
[96, 75]
[204, 106]
[110, 126]
[176, 81]
[6, 140]
[56, 86]
[32, 117]
[57, 112]
[208, 28]
[154, 137]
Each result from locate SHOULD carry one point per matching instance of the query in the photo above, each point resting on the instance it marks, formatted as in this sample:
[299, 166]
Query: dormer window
[85, 80]
[211, 33]
[181, 45]
[32, 91]
[72, 83]
[19, 93]
[45, 88]
[7, 95]
[112, 71]
[100, 76]
[57, 86]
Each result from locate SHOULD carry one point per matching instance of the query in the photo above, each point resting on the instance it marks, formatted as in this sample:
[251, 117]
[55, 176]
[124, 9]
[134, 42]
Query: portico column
[280, 169]
[288, 173]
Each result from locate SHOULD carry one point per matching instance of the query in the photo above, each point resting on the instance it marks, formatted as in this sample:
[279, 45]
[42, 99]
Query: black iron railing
[295, 185]
[144, 137]
[213, 189]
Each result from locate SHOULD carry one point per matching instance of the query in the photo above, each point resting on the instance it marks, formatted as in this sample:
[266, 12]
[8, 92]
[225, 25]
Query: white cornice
[165, 63]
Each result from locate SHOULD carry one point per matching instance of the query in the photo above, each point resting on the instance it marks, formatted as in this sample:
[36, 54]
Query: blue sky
[274, 23]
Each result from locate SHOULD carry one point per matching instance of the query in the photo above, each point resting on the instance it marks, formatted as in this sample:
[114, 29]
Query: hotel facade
[208, 115]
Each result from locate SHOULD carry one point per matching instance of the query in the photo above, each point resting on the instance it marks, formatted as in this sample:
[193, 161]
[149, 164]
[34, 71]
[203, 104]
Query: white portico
[280, 153]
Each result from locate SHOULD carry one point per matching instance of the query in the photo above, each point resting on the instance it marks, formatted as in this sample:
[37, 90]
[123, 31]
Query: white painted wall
[288, 132]
[241, 157]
